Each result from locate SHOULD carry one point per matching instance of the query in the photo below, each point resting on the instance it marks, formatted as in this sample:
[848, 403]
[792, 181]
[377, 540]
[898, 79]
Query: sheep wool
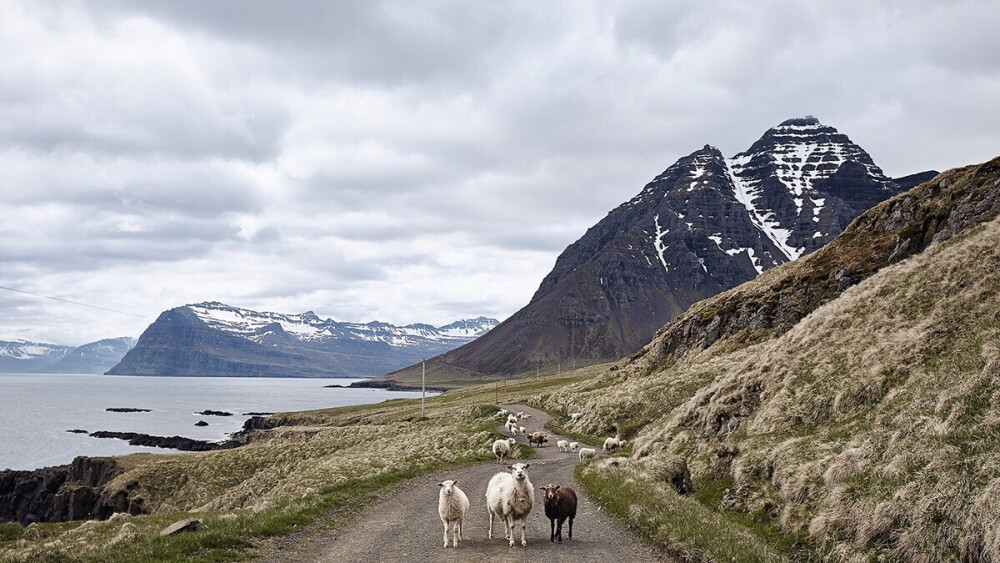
[510, 497]
[502, 448]
[453, 505]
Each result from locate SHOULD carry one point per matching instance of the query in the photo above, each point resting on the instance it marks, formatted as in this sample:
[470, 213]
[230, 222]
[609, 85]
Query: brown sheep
[560, 503]
[537, 438]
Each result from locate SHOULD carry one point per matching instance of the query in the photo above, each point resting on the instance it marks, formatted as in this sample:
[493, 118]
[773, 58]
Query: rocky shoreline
[77, 490]
[388, 385]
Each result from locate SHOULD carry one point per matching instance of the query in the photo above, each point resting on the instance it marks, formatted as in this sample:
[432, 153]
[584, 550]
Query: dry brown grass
[873, 423]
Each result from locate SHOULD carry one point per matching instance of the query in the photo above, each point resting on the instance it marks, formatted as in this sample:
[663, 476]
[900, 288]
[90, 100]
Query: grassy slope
[871, 427]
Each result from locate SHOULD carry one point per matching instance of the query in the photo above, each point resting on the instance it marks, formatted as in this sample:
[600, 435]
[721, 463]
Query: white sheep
[520, 415]
[511, 419]
[453, 505]
[573, 446]
[512, 428]
[563, 445]
[503, 413]
[501, 448]
[510, 496]
[612, 444]
[523, 430]
[575, 416]
[587, 453]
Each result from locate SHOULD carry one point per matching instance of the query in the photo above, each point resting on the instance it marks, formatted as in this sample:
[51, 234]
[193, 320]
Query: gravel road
[405, 527]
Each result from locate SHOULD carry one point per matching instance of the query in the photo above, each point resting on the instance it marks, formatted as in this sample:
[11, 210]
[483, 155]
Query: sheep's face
[519, 470]
[512, 441]
[549, 491]
[448, 486]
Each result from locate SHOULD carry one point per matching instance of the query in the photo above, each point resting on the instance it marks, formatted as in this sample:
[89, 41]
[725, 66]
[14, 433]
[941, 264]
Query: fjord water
[36, 410]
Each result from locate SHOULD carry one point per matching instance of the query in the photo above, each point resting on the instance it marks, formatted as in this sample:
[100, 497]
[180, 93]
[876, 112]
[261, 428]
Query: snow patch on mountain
[308, 327]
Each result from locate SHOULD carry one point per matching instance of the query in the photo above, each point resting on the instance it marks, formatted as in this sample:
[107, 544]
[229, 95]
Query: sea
[37, 410]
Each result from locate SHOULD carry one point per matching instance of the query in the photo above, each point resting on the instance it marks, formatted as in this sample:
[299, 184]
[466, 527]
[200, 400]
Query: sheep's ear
[440, 484]
[527, 465]
[510, 467]
[455, 482]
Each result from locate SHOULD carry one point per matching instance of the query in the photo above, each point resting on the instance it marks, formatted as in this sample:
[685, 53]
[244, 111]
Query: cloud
[417, 162]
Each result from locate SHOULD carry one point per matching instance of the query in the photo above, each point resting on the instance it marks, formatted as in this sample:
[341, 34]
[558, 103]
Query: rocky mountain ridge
[22, 356]
[842, 398]
[216, 339]
[706, 224]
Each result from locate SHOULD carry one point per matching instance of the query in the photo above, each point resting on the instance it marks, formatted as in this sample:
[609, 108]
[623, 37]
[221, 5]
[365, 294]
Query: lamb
[510, 496]
[523, 430]
[520, 415]
[612, 444]
[563, 445]
[560, 504]
[587, 453]
[512, 428]
[573, 446]
[537, 438]
[575, 416]
[503, 413]
[511, 419]
[502, 448]
[453, 505]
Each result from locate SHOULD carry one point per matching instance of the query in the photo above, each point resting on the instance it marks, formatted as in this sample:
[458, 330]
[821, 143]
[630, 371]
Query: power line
[71, 302]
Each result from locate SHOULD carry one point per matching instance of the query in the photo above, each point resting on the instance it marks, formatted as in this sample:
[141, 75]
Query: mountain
[220, 340]
[36, 357]
[706, 224]
[849, 400]
[95, 357]
[22, 356]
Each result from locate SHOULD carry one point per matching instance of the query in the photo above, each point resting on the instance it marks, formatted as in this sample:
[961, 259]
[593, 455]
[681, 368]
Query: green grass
[681, 524]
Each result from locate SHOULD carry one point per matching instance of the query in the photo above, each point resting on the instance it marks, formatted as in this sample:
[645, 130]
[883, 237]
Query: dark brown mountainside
[704, 225]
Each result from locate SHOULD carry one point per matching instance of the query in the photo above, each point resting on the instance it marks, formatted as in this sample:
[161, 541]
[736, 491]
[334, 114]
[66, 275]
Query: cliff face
[63, 493]
[219, 340]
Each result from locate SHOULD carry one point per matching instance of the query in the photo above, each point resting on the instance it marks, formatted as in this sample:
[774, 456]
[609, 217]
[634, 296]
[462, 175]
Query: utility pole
[423, 385]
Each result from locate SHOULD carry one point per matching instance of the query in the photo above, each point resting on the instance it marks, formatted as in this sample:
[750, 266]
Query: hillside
[220, 340]
[706, 224]
[861, 414]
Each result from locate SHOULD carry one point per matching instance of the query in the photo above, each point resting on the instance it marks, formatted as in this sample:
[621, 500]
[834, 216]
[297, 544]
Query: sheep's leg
[570, 527]
[445, 532]
[454, 534]
[510, 522]
[559, 529]
[460, 530]
[524, 524]
[552, 529]
[491, 525]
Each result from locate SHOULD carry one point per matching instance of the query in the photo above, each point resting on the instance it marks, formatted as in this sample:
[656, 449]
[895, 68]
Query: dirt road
[405, 527]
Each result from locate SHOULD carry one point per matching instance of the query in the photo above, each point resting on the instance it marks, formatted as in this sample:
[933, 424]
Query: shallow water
[36, 410]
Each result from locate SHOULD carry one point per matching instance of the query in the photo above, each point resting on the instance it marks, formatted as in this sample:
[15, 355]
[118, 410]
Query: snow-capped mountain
[218, 339]
[22, 356]
[706, 224]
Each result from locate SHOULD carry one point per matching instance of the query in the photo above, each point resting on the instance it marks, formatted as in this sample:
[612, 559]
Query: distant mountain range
[706, 224]
[219, 340]
[22, 356]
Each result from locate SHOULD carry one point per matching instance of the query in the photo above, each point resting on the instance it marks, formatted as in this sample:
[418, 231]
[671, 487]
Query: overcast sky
[416, 161]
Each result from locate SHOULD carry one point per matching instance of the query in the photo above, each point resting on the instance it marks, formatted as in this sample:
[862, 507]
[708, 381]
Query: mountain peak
[705, 224]
[807, 121]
